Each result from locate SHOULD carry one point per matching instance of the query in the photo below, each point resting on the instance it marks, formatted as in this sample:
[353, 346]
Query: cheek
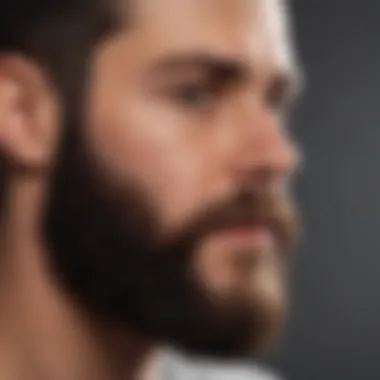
[141, 139]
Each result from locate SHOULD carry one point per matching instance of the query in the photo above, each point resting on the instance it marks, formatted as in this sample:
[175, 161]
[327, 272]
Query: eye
[277, 103]
[278, 97]
[196, 95]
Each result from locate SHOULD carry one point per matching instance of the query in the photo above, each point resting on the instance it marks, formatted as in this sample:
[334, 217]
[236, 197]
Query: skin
[188, 150]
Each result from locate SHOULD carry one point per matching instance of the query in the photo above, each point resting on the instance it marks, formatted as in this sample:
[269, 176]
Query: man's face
[169, 210]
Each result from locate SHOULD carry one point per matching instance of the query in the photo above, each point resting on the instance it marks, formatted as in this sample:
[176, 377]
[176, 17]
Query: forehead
[253, 30]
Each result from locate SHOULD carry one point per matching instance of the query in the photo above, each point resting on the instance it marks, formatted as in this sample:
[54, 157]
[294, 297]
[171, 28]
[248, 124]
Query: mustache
[275, 212]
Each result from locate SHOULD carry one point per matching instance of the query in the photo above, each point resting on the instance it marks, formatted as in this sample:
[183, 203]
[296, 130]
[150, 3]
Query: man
[144, 182]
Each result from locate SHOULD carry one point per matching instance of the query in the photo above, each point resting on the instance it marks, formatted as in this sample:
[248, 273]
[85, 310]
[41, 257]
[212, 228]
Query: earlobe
[26, 115]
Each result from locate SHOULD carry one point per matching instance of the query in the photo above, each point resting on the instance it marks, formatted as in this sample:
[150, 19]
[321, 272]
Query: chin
[270, 303]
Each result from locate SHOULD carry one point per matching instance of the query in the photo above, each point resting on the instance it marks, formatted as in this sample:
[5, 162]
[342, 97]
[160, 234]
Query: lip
[253, 236]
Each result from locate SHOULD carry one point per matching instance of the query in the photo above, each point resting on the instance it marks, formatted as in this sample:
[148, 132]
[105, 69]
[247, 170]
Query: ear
[28, 114]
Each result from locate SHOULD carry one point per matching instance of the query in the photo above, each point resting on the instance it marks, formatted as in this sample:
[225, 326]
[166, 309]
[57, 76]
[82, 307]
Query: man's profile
[144, 173]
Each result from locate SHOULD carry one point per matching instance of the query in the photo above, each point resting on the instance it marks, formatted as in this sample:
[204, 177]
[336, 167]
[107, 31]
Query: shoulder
[236, 372]
[184, 368]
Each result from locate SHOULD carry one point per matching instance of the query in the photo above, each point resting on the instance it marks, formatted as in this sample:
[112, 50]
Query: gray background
[334, 332]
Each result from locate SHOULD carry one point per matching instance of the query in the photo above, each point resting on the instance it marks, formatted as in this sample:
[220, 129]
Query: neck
[43, 333]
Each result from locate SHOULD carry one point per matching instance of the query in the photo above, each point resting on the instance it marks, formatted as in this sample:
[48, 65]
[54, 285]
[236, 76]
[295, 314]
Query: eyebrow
[229, 67]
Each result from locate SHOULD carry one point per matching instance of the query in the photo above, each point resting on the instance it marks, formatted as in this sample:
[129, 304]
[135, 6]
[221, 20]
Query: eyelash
[278, 101]
[196, 95]
[202, 95]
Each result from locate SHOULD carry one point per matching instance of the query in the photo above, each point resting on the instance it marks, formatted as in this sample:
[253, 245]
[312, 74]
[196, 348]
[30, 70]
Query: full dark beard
[105, 249]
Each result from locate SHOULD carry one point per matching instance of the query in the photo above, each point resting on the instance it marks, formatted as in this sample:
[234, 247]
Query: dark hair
[59, 36]
[2, 182]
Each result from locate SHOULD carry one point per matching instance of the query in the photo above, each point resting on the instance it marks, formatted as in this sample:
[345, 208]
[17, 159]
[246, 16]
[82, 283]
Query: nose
[266, 149]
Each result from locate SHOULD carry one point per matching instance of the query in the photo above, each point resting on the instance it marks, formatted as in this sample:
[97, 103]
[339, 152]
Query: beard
[108, 252]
